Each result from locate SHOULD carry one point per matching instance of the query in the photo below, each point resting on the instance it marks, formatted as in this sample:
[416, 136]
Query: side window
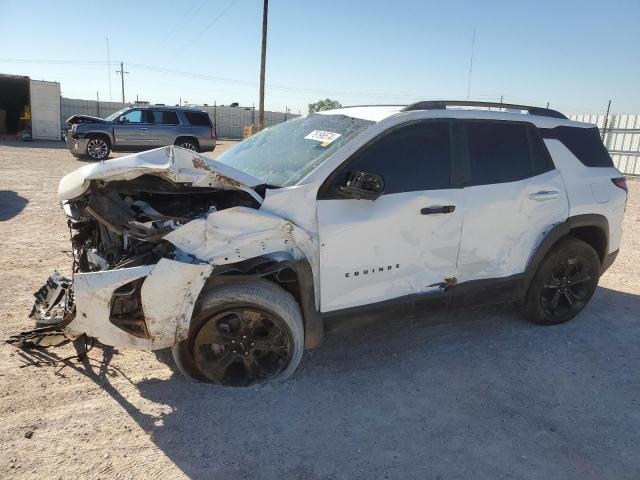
[133, 116]
[498, 152]
[163, 117]
[410, 158]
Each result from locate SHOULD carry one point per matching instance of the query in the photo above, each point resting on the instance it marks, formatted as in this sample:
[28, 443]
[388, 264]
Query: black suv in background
[140, 128]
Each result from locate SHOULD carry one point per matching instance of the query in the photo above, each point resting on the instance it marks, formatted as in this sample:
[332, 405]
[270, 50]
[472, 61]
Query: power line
[210, 24]
[183, 19]
[224, 80]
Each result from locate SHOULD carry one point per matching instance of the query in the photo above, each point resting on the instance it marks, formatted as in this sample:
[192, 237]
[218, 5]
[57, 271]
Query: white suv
[235, 263]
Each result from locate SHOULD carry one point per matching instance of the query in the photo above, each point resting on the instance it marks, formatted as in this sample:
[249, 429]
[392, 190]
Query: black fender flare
[274, 263]
[562, 230]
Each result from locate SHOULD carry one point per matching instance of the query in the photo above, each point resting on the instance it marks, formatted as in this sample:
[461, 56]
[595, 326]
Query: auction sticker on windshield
[322, 136]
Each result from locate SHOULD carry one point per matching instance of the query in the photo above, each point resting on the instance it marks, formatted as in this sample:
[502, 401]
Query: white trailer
[45, 109]
[29, 107]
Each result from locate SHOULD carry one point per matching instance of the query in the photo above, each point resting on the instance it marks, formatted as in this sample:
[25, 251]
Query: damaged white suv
[235, 263]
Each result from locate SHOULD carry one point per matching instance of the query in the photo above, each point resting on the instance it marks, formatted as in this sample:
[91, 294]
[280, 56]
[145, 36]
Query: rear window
[584, 143]
[198, 118]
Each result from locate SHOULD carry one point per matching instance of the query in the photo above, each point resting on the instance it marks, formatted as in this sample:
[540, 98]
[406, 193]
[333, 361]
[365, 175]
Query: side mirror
[122, 119]
[368, 186]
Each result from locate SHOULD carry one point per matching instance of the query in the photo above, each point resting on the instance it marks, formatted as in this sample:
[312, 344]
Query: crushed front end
[130, 286]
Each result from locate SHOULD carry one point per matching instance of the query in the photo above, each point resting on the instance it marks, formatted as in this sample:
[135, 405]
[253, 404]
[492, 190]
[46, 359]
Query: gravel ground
[471, 394]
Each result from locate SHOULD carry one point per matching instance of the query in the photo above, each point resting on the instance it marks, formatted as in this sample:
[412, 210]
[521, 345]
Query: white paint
[168, 296]
[237, 234]
[372, 251]
[504, 222]
[45, 110]
[372, 113]
[590, 190]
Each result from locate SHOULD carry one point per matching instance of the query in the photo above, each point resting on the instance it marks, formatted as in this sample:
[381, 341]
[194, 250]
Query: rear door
[131, 129]
[163, 127]
[405, 241]
[513, 196]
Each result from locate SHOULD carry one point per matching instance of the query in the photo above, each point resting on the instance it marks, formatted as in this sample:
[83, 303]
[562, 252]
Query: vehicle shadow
[406, 397]
[11, 204]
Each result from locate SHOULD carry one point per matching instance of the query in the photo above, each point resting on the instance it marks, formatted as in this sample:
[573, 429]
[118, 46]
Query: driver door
[132, 130]
[406, 240]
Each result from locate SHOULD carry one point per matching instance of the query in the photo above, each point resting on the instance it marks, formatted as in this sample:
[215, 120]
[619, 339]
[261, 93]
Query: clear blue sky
[574, 54]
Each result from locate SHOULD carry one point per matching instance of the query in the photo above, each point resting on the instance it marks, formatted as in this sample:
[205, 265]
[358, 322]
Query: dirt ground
[472, 394]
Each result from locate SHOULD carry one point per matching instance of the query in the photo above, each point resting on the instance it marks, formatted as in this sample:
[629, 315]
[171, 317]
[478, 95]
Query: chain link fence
[621, 136]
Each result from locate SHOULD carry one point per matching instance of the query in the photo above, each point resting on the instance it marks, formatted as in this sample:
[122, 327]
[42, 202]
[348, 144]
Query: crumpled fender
[240, 233]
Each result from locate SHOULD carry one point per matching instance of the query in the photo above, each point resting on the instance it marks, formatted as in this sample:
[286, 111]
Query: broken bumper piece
[54, 301]
[53, 310]
[146, 307]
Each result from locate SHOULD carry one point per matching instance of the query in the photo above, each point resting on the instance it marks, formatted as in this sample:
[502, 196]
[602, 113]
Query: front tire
[564, 283]
[242, 333]
[98, 148]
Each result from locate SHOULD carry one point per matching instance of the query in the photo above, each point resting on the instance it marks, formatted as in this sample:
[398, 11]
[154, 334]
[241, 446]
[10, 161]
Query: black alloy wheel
[242, 346]
[564, 283]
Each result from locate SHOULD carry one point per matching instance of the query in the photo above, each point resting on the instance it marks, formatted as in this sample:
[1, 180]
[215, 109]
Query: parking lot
[476, 393]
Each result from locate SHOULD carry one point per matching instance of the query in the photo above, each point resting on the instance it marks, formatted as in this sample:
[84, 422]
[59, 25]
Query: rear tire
[564, 283]
[98, 147]
[188, 143]
[242, 333]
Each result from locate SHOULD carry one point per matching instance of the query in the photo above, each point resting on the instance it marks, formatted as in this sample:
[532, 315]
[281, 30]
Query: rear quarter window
[584, 143]
[198, 118]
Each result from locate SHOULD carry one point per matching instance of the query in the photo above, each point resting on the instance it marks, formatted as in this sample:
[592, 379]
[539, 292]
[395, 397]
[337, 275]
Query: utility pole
[122, 72]
[606, 121]
[109, 69]
[98, 104]
[215, 117]
[265, 11]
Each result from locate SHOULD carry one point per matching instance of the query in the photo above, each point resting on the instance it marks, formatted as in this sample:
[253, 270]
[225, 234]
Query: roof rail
[443, 104]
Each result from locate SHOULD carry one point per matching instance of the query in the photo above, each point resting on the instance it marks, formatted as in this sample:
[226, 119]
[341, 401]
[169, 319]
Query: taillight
[213, 132]
[620, 182]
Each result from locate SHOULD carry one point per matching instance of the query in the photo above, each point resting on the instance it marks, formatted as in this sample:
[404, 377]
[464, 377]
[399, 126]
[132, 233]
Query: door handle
[544, 195]
[144, 128]
[437, 209]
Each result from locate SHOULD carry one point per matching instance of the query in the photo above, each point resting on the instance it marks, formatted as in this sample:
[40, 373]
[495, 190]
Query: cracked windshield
[285, 153]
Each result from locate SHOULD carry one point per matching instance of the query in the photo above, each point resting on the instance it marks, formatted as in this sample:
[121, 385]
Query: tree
[326, 104]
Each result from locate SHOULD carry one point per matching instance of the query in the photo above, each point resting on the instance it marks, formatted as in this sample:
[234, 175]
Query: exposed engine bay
[121, 224]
